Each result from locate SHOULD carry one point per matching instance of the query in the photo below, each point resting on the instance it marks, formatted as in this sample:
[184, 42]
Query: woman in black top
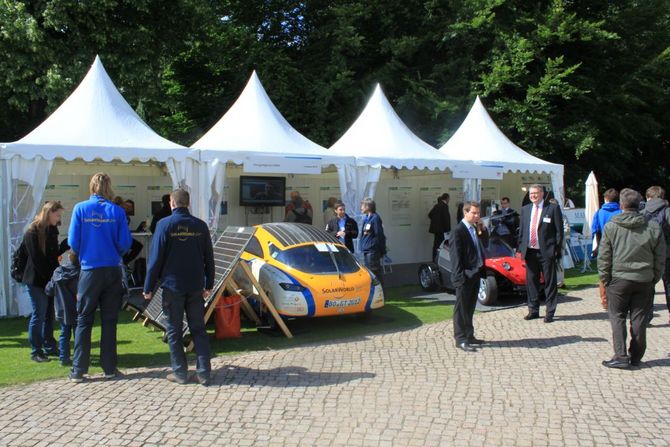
[41, 241]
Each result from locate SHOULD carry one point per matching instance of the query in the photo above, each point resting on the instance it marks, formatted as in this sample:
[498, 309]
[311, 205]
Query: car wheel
[428, 277]
[488, 290]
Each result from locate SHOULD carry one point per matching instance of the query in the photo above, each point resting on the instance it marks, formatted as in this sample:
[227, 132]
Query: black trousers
[373, 261]
[464, 309]
[437, 241]
[626, 297]
[536, 264]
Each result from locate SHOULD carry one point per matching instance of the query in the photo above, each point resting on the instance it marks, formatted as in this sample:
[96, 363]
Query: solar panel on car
[298, 233]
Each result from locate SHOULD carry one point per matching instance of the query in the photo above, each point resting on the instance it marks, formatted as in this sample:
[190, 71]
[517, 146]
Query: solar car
[307, 272]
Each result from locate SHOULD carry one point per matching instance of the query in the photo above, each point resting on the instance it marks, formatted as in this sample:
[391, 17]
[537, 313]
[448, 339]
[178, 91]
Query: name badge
[367, 227]
[546, 219]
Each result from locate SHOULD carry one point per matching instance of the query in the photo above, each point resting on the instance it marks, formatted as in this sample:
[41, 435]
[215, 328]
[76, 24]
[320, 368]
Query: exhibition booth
[243, 170]
[93, 130]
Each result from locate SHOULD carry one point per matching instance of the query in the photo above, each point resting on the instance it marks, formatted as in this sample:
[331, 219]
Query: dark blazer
[350, 230]
[549, 230]
[463, 254]
[440, 219]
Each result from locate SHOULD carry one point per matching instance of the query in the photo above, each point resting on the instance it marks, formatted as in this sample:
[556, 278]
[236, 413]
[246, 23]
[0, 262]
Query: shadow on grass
[543, 343]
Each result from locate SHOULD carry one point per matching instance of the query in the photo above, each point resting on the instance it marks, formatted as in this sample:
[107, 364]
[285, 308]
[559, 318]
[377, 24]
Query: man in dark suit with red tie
[466, 252]
[540, 242]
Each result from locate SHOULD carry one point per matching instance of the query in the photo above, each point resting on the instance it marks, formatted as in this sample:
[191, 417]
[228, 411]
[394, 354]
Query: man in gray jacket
[631, 259]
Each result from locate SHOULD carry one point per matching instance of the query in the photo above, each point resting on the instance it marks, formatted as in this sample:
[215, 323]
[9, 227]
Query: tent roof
[378, 137]
[95, 121]
[254, 127]
[479, 140]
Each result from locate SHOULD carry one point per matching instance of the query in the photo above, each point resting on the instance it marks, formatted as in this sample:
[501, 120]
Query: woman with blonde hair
[41, 242]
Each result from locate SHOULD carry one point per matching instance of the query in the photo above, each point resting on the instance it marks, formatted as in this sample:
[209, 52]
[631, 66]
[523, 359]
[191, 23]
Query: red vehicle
[505, 272]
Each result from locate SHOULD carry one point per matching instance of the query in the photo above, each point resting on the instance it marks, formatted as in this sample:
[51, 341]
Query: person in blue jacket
[600, 218]
[372, 241]
[99, 235]
[182, 258]
[63, 287]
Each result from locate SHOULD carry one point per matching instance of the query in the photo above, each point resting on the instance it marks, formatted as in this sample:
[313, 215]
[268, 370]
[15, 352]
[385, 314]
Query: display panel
[262, 191]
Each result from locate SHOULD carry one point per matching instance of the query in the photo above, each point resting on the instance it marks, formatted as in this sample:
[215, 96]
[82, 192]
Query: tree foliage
[580, 83]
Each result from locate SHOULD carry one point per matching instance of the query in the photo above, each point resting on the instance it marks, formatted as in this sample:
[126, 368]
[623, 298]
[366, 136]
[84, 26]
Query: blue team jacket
[98, 233]
[371, 236]
[182, 257]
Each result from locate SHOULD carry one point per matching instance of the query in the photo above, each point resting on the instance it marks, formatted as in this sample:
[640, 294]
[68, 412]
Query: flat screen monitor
[262, 191]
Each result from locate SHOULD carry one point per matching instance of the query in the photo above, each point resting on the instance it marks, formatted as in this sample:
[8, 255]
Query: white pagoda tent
[480, 148]
[93, 123]
[380, 139]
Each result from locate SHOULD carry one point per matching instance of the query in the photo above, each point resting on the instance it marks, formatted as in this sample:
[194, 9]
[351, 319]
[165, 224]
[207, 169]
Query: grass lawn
[140, 346]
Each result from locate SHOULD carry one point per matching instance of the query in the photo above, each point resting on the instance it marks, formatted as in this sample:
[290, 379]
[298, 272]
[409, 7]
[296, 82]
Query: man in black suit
[540, 242]
[440, 222]
[467, 256]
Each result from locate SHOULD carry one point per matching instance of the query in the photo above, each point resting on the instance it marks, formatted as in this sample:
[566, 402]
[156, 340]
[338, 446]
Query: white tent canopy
[95, 122]
[253, 127]
[478, 140]
[379, 138]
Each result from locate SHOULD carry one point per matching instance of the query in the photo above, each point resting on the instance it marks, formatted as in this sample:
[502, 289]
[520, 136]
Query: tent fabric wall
[22, 189]
[356, 183]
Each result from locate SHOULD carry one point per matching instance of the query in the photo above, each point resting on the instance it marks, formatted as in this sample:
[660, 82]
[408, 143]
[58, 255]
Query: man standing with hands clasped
[540, 242]
[182, 258]
[467, 256]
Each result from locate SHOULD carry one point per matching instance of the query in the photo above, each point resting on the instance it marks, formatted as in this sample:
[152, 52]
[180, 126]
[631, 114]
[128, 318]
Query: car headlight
[291, 287]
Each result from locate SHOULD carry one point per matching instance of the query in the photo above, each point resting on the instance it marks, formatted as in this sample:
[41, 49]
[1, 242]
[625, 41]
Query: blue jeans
[102, 288]
[174, 306]
[64, 341]
[39, 302]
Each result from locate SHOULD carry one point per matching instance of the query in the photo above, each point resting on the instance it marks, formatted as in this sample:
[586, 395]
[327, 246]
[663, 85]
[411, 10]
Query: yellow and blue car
[307, 272]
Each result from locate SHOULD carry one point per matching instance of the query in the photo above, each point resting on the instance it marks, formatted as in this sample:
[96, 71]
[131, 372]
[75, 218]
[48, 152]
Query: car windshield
[317, 258]
[497, 248]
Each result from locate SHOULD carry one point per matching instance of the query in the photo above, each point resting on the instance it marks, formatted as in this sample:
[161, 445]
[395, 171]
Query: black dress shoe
[548, 318]
[476, 341]
[618, 364]
[466, 347]
[531, 316]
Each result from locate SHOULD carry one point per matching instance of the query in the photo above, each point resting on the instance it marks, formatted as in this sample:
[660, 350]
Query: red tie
[533, 227]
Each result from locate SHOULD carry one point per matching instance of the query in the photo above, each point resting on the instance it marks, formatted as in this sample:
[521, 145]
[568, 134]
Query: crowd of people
[630, 245]
[631, 238]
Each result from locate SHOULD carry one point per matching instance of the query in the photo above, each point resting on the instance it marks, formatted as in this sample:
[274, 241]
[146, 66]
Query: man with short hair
[372, 243]
[440, 222]
[182, 258]
[631, 259]
[467, 255]
[609, 209]
[657, 209]
[506, 222]
[540, 245]
[342, 226]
